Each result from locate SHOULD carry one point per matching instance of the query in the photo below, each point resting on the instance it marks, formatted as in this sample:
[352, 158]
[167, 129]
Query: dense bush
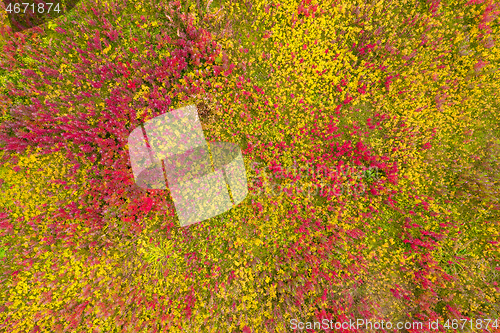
[335, 89]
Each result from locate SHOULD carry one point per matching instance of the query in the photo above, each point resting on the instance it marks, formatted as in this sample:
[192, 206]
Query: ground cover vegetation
[317, 94]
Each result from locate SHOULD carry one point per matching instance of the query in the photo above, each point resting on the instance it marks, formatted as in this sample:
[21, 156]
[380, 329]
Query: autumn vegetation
[408, 88]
